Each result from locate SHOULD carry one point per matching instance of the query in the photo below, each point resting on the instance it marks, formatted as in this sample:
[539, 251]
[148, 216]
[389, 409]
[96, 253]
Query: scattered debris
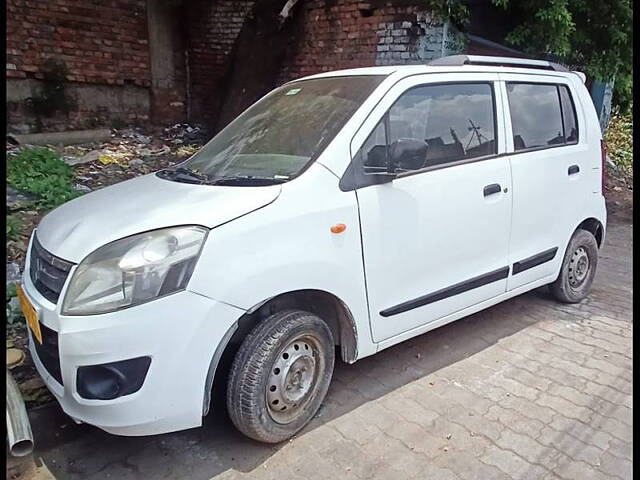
[13, 273]
[17, 200]
[15, 357]
[81, 188]
[183, 133]
[107, 159]
[33, 389]
[91, 156]
[130, 144]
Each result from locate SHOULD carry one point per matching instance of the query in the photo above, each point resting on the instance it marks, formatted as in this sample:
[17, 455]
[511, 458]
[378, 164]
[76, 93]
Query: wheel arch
[319, 302]
[595, 227]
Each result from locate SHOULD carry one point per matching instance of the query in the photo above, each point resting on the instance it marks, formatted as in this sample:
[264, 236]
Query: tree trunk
[256, 61]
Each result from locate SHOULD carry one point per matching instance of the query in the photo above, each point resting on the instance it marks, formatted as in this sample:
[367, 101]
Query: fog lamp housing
[112, 380]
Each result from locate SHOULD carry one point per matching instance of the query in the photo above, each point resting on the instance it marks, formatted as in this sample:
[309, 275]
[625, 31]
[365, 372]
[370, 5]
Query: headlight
[134, 270]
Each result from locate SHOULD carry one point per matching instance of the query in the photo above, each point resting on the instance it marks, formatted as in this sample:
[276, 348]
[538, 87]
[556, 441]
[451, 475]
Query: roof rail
[459, 60]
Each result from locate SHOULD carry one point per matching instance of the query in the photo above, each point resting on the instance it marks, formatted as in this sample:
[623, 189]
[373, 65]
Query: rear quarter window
[542, 115]
[569, 118]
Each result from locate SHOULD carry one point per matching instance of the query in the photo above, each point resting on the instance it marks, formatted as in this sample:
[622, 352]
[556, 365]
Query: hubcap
[293, 378]
[578, 267]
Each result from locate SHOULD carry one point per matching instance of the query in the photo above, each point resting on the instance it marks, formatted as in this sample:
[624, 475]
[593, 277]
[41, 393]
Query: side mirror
[407, 154]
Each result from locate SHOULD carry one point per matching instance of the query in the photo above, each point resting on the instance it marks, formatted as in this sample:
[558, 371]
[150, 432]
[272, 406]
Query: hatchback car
[351, 209]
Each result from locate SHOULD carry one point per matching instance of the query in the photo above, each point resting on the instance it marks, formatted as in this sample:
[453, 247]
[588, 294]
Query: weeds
[14, 227]
[42, 172]
[14, 313]
[619, 138]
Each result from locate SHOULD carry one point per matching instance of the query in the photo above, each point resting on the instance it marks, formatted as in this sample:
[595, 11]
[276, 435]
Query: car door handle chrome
[573, 169]
[491, 189]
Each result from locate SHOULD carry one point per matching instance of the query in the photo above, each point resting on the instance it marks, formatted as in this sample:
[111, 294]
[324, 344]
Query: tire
[285, 361]
[574, 281]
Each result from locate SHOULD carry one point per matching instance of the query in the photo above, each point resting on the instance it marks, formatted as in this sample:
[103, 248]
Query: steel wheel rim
[579, 266]
[293, 379]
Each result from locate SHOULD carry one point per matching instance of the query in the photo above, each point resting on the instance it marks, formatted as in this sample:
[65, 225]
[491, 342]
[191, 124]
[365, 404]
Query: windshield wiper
[247, 180]
[184, 175]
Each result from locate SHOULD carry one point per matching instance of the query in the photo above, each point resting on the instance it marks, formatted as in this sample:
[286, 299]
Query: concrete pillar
[167, 44]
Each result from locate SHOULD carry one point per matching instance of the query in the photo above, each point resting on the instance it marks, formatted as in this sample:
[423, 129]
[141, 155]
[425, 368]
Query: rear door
[550, 167]
[434, 239]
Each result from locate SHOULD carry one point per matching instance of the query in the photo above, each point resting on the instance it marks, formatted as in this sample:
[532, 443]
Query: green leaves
[619, 137]
[42, 172]
[454, 10]
[14, 227]
[597, 36]
[14, 314]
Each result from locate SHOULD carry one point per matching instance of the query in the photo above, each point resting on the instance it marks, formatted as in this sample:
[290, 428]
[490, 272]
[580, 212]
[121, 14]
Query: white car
[355, 208]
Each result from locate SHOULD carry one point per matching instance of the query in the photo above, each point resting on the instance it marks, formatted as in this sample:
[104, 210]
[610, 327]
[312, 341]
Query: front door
[435, 239]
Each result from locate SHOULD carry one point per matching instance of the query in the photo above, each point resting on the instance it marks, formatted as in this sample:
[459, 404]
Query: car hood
[80, 226]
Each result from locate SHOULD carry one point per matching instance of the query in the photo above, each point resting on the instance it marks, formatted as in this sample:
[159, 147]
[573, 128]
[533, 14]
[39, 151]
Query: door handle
[491, 189]
[573, 169]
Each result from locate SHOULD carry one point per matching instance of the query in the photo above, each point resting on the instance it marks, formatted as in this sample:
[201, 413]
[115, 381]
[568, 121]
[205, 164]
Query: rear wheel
[280, 375]
[578, 268]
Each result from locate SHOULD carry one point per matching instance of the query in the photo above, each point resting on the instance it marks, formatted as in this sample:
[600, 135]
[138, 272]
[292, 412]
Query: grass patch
[14, 227]
[42, 172]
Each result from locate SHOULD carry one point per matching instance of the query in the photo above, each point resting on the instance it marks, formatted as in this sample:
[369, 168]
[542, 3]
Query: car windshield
[276, 138]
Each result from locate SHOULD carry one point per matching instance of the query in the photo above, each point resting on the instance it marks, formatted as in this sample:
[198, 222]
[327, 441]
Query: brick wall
[213, 26]
[337, 34]
[102, 43]
[331, 34]
[353, 33]
[416, 40]
[114, 74]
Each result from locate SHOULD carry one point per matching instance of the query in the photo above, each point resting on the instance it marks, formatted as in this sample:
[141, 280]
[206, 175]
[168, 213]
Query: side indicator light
[338, 228]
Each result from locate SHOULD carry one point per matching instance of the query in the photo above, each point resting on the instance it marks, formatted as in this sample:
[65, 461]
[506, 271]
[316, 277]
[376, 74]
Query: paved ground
[527, 389]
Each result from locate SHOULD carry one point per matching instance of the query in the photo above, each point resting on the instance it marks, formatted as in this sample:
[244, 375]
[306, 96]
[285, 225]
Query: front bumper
[179, 332]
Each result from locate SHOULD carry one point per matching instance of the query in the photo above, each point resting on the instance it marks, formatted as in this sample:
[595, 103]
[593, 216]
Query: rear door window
[542, 115]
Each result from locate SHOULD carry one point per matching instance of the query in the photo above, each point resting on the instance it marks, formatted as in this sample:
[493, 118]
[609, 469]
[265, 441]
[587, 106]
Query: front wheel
[280, 375]
[578, 268]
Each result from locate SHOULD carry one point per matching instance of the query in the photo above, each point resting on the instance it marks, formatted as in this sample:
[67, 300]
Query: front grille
[48, 352]
[48, 272]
